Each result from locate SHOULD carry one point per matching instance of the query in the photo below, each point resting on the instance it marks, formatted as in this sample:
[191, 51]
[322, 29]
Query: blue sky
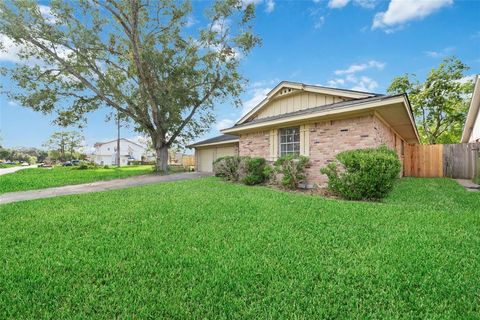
[359, 44]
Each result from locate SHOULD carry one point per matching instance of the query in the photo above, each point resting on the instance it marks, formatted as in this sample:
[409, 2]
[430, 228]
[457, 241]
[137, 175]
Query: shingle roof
[316, 109]
[223, 138]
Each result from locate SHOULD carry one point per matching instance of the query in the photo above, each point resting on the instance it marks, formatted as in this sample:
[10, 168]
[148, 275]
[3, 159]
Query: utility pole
[118, 139]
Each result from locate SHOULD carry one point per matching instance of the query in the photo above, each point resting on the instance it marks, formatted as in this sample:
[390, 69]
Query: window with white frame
[289, 141]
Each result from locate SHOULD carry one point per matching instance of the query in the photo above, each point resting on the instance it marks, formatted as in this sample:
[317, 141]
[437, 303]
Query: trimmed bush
[227, 167]
[292, 170]
[363, 174]
[251, 170]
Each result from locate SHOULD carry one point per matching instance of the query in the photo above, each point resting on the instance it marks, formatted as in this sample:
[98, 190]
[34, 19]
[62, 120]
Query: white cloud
[354, 68]
[220, 25]
[362, 83]
[319, 23]
[257, 95]
[439, 54]
[336, 82]
[270, 6]
[337, 4]
[224, 123]
[10, 50]
[365, 84]
[47, 14]
[400, 12]
[190, 21]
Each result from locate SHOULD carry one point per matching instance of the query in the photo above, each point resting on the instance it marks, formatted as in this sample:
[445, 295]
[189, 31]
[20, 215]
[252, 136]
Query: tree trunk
[161, 164]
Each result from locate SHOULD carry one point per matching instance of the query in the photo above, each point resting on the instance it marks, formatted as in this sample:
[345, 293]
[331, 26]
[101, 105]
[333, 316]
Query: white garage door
[206, 156]
[205, 160]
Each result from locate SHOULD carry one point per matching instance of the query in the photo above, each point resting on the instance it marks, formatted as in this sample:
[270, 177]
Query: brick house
[314, 121]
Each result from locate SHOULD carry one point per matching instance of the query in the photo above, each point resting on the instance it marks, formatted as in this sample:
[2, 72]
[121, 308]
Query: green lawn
[6, 166]
[208, 249]
[39, 178]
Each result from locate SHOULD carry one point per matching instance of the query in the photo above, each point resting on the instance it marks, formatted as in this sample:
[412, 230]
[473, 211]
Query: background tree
[66, 143]
[439, 104]
[135, 56]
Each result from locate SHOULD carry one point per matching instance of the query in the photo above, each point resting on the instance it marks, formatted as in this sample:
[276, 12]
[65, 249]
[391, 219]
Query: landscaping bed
[210, 249]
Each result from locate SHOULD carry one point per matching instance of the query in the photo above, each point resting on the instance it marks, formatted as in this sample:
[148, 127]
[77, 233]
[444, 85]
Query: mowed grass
[208, 249]
[40, 178]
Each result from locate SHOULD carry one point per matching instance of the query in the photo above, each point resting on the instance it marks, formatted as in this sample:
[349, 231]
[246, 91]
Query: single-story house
[314, 121]
[106, 152]
[471, 129]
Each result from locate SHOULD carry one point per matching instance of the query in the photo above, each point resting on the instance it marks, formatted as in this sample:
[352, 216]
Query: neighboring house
[471, 130]
[106, 152]
[314, 121]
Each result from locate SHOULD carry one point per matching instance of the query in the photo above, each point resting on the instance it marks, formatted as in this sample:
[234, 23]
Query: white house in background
[471, 130]
[106, 152]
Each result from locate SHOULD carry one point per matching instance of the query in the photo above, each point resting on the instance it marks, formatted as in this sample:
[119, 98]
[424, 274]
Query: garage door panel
[205, 160]
[206, 156]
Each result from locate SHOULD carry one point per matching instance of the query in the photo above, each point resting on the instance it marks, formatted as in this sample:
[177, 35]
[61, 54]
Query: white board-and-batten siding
[296, 101]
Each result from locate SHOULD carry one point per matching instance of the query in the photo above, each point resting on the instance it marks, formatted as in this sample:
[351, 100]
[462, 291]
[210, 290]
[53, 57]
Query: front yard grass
[40, 178]
[208, 249]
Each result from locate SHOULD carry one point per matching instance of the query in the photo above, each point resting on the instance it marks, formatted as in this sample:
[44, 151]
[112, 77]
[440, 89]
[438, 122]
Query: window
[290, 141]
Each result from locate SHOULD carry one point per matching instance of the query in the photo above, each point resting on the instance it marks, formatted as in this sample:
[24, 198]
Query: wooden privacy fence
[422, 160]
[448, 160]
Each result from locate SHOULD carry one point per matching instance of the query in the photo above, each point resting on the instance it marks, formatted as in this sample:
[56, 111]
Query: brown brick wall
[385, 135]
[326, 139]
[255, 144]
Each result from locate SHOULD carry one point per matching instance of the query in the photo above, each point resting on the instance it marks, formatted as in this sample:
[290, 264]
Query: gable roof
[395, 109]
[222, 139]
[97, 144]
[352, 94]
[473, 111]
[332, 106]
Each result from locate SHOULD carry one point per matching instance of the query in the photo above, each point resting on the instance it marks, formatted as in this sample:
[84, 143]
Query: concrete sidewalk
[15, 169]
[469, 185]
[98, 186]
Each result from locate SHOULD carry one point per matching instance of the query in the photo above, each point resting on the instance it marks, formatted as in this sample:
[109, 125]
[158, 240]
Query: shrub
[292, 169]
[106, 166]
[251, 170]
[270, 173]
[227, 167]
[365, 174]
[84, 165]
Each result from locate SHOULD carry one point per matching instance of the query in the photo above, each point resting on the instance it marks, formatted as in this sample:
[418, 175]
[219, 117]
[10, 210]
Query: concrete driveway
[98, 186]
[15, 169]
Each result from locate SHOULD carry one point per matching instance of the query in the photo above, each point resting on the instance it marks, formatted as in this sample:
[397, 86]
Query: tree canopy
[137, 57]
[440, 103]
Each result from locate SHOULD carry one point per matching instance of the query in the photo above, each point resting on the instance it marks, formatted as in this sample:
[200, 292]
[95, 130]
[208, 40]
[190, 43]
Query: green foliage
[84, 165]
[204, 249]
[227, 167]
[292, 170]
[440, 103]
[64, 145]
[22, 154]
[138, 58]
[31, 179]
[252, 170]
[245, 169]
[365, 174]
[32, 159]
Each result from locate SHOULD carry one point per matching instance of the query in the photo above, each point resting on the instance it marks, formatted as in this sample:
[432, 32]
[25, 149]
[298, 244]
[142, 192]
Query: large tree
[65, 143]
[440, 103]
[135, 56]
